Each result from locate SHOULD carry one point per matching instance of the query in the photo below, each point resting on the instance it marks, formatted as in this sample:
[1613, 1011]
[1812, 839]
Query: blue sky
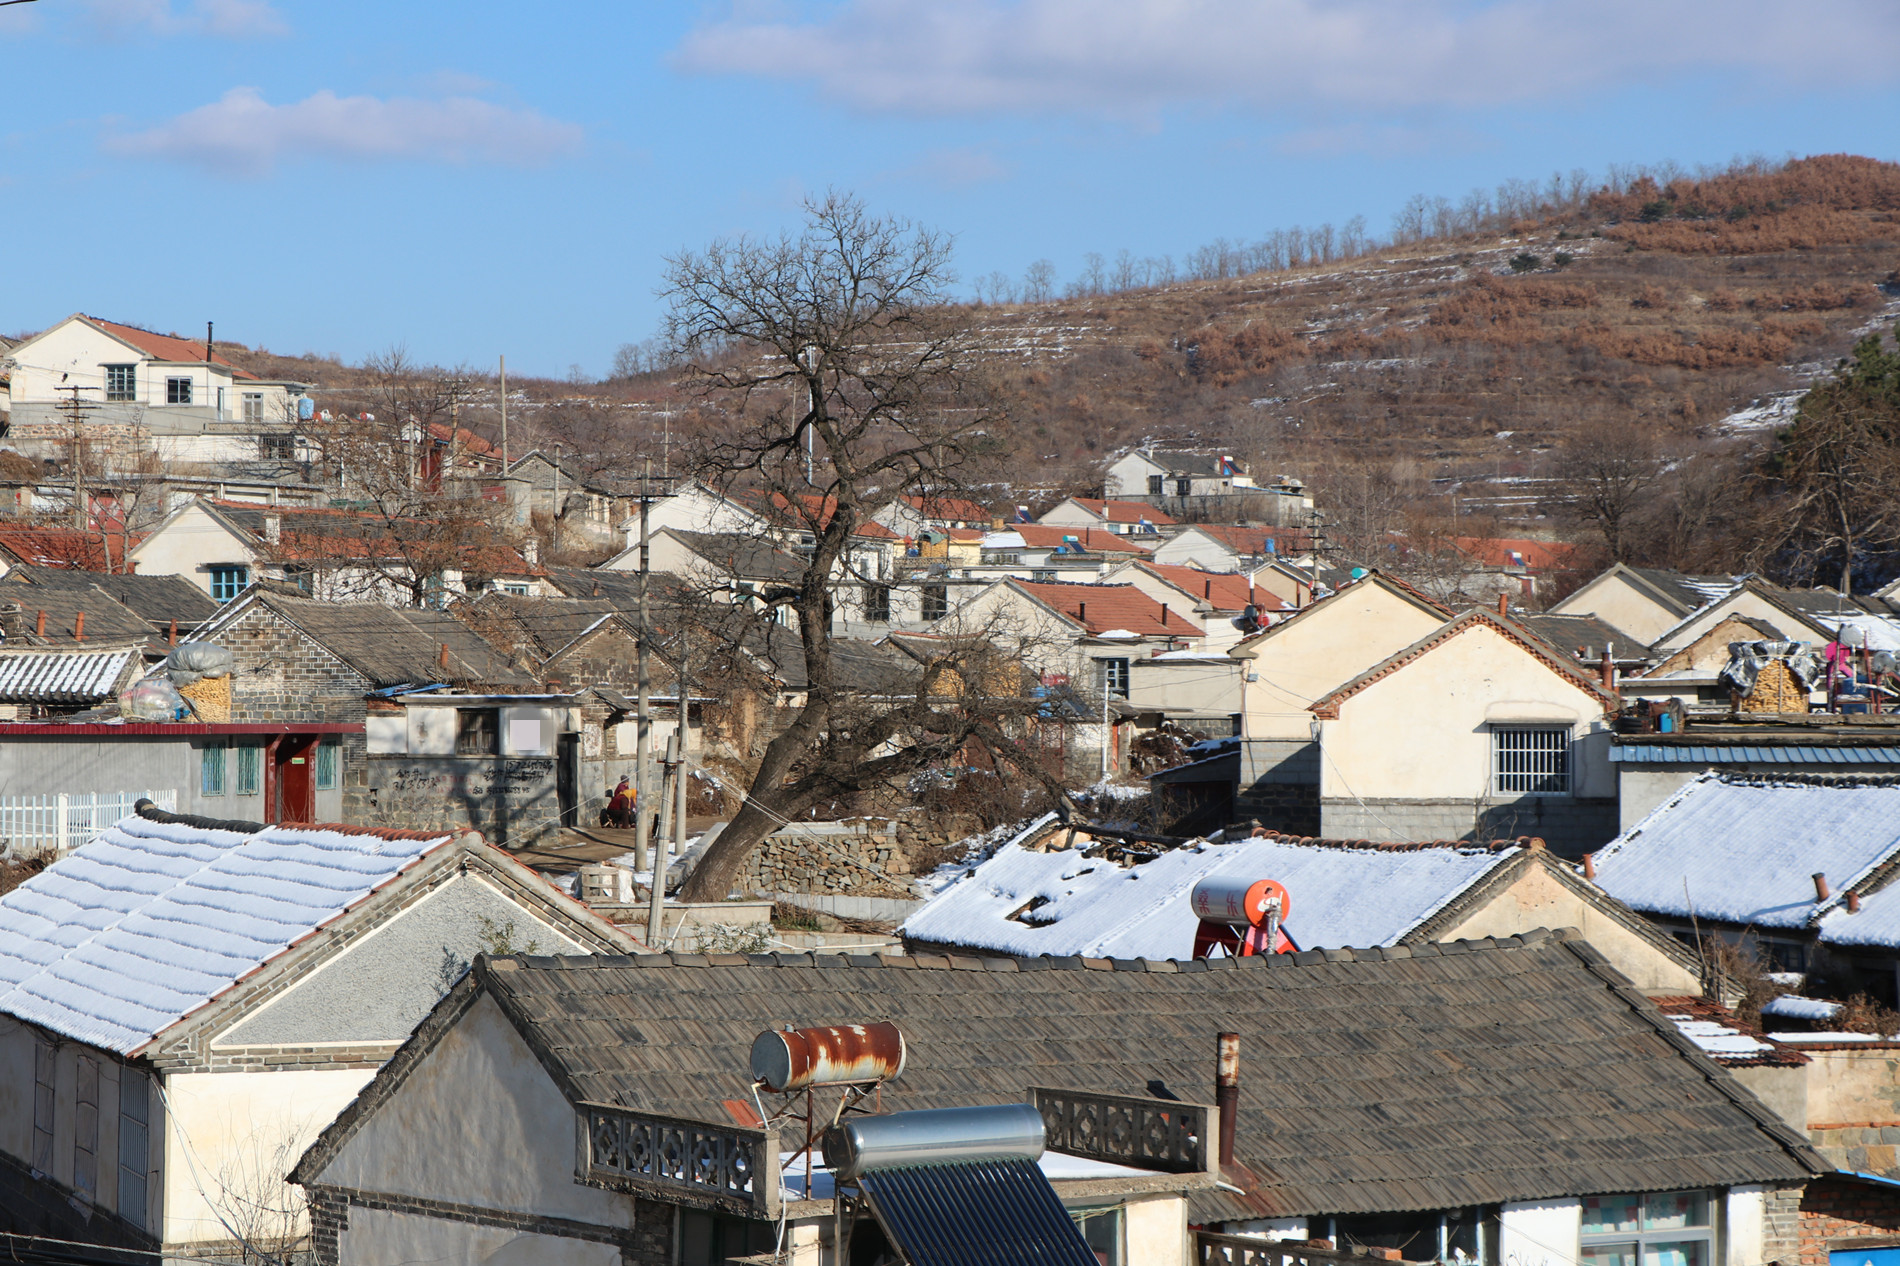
[479, 178]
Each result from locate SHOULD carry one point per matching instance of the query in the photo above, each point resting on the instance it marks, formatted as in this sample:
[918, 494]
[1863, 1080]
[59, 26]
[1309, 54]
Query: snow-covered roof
[1789, 1007]
[1740, 849]
[1340, 896]
[125, 936]
[1720, 1040]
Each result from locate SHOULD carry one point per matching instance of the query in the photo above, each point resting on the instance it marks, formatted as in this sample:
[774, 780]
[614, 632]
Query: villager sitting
[620, 806]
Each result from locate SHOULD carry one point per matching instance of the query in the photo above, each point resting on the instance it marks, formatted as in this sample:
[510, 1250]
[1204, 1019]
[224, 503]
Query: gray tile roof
[1407, 1078]
[107, 619]
[394, 646]
[159, 599]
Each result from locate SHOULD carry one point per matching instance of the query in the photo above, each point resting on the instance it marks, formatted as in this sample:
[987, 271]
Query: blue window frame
[327, 753]
[250, 769]
[211, 769]
[228, 580]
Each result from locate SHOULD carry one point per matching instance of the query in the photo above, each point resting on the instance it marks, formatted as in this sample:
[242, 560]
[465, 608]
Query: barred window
[1530, 761]
[250, 768]
[327, 753]
[211, 769]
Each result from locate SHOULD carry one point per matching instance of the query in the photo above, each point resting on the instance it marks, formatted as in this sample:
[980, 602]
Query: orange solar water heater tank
[1241, 916]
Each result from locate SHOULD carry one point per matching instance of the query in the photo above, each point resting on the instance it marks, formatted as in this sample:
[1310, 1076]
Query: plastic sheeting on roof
[61, 676]
[1092, 907]
[125, 936]
[1789, 1007]
[1744, 850]
[1720, 1040]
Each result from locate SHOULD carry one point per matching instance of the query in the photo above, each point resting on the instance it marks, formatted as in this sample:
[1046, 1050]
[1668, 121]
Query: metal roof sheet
[1752, 754]
[976, 1213]
[61, 676]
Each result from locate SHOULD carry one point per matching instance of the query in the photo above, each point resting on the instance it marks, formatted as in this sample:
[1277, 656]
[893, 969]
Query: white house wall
[189, 545]
[382, 986]
[1194, 548]
[477, 1122]
[242, 1132]
[1745, 1225]
[380, 1237]
[1305, 658]
[1612, 599]
[1540, 1233]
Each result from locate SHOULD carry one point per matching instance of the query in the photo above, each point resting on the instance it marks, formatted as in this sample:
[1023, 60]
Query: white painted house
[157, 393]
[1159, 473]
[185, 1004]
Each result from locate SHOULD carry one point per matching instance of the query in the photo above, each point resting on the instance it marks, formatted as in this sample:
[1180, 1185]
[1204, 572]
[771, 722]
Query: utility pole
[643, 716]
[504, 413]
[76, 410]
[679, 775]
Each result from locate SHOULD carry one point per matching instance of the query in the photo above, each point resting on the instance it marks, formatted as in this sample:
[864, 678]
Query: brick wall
[1571, 826]
[1282, 806]
[1839, 1214]
[649, 1242]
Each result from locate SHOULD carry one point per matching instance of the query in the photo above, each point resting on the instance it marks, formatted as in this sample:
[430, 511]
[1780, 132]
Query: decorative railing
[724, 1167]
[1144, 1133]
[1244, 1250]
[56, 823]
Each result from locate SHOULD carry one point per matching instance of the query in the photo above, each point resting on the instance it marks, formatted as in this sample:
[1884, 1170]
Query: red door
[295, 761]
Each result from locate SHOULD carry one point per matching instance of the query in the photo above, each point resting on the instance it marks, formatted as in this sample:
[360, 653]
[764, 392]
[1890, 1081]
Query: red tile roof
[1102, 608]
[64, 547]
[467, 439]
[950, 509]
[1226, 590]
[166, 346]
[1096, 540]
[1536, 556]
[1251, 540]
[1123, 511]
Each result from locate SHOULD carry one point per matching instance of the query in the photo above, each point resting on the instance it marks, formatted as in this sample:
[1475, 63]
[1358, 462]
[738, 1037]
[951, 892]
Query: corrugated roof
[62, 676]
[1341, 895]
[1420, 1077]
[1751, 754]
[1739, 849]
[125, 936]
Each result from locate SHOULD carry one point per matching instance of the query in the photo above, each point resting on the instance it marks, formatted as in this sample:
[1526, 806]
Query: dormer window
[122, 382]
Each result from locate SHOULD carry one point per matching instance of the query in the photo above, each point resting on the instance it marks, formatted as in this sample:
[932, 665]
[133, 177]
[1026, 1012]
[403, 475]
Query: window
[1003, 558]
[178, 391]
[1422, 1237]
[272, 448]
[1182, 487]
[1115, 677]
[1102, 1231]
[328, 752]
[86, 1129]
[44, 1055]
[936, 602]
[211, 769]
[250, 769]
[877, 604]
[135, 1118]
[228, 580]
[476, 732]
[122, 382]
[253, 407]
[710, 1239]
[518, 588]
[1530, 761]
[1671, 1228]
[1155, 485]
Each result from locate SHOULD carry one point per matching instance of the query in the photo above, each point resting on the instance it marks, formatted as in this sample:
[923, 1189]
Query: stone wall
[509, 799]
[830, 857]
[649, 1242]
[1571, 826]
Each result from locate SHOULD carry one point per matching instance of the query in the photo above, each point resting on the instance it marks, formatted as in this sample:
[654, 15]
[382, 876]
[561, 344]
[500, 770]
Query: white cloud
[241, 134]
[1132, 57]
[229, 19]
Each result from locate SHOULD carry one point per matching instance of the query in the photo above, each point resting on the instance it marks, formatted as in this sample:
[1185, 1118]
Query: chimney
[1082, 613]
[171, 639]
[1608, 669]
[1227, 1093]
[1853, 903]
[273, 528]
[1821, 890]
[1164, 613]
[442, 657]
[79, 626]
[1207, 591]
[1504, 604]
[1590, 866]
[531, 550]
[39, 625]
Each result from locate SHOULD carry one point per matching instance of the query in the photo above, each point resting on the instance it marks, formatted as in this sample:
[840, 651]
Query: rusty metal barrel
[1235, 900]
[796, 1059]
[933, 1136]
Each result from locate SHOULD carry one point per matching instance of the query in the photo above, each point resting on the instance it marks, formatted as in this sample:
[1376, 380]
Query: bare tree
[848, 386]
[1039, 282]
[1609, 470]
